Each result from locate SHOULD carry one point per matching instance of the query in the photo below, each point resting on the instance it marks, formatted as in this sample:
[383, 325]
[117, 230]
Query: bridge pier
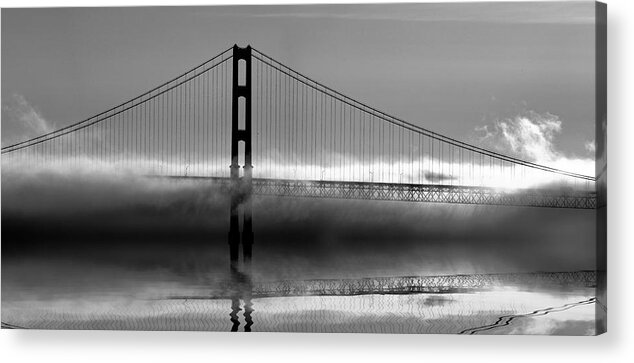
[241, 186]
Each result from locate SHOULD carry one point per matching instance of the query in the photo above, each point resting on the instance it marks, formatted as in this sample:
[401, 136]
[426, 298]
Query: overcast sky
[448, 67]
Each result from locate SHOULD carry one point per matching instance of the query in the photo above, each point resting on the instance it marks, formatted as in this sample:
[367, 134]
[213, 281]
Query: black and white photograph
[418, 168]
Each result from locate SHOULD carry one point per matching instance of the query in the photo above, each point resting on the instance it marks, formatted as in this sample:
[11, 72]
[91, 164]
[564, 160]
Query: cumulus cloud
[532, 136]
[24, 119]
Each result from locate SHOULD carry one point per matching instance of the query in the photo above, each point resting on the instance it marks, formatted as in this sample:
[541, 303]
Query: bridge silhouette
[285, 134]
[293, 137]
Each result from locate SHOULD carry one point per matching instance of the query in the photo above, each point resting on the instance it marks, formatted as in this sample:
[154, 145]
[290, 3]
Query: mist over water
[100, 239]
[340, 238]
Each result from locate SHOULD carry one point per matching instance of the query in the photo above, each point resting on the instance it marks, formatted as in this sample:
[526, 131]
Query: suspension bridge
[291, 136]
[251, 124]
[245, 122]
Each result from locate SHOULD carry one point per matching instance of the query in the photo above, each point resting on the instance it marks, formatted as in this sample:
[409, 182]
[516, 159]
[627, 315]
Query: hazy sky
[448, 67]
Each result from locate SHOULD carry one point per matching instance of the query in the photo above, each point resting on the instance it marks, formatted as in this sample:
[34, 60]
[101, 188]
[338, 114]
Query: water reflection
[315, 307]
[240, 269]
[138, 278]
[241, 290]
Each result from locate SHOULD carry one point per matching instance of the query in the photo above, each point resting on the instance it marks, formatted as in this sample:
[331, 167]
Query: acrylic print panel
[418, 168]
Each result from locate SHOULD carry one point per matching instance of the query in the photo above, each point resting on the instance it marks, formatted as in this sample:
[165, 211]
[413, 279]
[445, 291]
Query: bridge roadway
[430, 193]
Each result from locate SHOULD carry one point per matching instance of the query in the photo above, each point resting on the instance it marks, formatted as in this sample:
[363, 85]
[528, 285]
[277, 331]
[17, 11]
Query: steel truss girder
[431, 193]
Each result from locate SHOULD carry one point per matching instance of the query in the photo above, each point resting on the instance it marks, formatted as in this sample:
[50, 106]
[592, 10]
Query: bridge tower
[241, 187]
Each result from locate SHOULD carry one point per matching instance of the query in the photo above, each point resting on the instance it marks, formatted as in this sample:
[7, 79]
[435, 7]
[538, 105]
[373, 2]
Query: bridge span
[428, 193]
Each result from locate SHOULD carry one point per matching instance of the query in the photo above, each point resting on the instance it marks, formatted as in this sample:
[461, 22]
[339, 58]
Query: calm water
[131, 254]
[548, 310]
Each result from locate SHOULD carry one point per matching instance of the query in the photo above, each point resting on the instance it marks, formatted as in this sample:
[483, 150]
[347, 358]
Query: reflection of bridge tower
[241, 288]
[241, 187]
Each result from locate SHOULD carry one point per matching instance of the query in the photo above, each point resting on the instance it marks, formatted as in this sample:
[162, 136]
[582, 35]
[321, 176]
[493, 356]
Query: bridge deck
[430, 193]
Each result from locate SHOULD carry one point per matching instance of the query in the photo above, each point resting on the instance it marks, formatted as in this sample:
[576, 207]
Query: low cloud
[439, 177]
[181, 225]
[72, 190]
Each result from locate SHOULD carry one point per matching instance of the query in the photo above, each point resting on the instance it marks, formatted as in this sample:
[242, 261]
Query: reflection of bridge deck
[406, 285]
[431, 193]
